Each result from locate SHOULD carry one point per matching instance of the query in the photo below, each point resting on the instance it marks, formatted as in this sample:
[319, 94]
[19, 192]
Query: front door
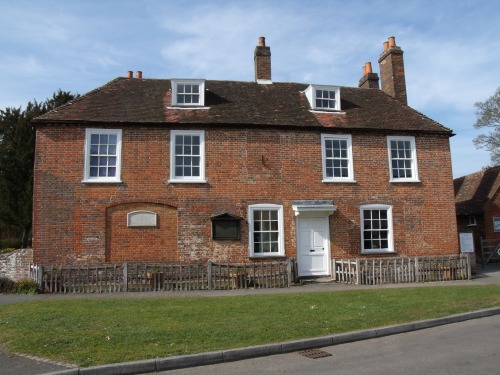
[312, 249]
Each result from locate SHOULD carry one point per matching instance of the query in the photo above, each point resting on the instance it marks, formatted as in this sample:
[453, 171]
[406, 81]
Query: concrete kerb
[204, 359]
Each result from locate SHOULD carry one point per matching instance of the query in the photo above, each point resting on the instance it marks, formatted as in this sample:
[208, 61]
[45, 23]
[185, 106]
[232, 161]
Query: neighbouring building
[160, 170]
[478, 210]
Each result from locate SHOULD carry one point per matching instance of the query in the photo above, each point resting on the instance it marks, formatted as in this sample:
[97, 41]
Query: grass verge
[97, 331]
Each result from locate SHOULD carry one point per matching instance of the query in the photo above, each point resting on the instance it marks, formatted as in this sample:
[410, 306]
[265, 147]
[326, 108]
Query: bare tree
[488, 116]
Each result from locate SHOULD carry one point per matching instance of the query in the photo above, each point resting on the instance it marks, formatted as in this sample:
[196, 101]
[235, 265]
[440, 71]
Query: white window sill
[187, 181]
[340, 181]
[378, 252]
[187, 107]
[101, 181]
[267, 255]
[404, 181]
[331, 111]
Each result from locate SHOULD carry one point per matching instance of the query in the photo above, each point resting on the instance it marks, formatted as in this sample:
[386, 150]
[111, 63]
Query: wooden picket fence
[142, 277]
[374, 271]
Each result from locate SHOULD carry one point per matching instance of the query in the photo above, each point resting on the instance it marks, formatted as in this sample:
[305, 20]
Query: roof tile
[129, 100]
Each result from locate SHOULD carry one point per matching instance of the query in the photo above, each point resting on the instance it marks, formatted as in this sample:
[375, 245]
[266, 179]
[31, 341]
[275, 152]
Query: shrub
[27, 286]
[10, 243]
[7, 285]
[7, 250]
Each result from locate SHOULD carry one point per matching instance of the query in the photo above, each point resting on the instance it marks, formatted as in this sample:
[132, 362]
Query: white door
[312, 249]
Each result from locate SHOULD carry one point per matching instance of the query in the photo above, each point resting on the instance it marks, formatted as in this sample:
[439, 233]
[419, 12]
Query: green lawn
[97, 331]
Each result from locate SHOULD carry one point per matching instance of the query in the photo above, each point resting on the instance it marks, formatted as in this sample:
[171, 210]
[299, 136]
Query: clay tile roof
[147, 101]
[473, 191]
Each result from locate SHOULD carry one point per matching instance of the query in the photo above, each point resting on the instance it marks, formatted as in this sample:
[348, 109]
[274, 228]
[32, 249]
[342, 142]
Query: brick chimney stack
[369, 80]
[262, 61]
[392, 71]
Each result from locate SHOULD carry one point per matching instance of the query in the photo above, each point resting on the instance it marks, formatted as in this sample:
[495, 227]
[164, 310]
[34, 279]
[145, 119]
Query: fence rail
[141, 277]
[401, 270]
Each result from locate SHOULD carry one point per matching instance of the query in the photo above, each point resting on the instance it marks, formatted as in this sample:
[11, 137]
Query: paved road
[464, 348]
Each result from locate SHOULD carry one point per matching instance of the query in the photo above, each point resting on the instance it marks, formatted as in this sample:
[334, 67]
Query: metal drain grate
[314, 353]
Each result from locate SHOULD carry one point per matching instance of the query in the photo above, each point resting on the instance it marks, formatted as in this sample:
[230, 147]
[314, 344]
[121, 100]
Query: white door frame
[314, 209]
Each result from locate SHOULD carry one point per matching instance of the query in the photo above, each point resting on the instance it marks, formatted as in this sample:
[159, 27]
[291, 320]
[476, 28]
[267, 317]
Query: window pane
[103, 139]
[266, 225]
[257, 225]
[257, 247]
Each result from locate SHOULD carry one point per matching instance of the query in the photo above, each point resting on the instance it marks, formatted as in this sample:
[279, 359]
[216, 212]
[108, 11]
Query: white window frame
[390, 235]
[414, 165]
[187, 179]
[472, 221]
[350, 168]
[311, 94]
[281, 235]
[199, 82]
[86, 170]
[496, 224]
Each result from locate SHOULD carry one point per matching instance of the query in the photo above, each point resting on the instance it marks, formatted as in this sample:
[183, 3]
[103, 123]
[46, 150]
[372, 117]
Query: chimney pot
[368, 68]
[386, 46]
[392, 41]
[138, 74]
[262, 41]
[130, 74]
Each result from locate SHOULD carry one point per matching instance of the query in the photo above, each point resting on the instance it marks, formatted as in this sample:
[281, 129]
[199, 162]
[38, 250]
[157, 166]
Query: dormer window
[188, 92]
[323, 98]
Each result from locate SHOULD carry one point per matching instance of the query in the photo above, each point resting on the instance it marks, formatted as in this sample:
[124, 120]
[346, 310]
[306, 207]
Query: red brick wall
[141, 244]
[243, 167]
[491, 211]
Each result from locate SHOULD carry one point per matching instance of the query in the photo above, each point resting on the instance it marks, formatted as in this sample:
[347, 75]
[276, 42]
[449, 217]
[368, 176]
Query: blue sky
[451, 48]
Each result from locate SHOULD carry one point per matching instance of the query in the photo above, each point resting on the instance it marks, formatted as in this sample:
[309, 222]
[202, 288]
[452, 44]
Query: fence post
[289, 271]
[417, 270]
[125, 276]
[39, 275]
[468, 265]
[358, 271]
[209, 274]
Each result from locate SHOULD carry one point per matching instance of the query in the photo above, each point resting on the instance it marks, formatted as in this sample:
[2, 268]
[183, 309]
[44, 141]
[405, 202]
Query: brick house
[192, 169]
[477, 198]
